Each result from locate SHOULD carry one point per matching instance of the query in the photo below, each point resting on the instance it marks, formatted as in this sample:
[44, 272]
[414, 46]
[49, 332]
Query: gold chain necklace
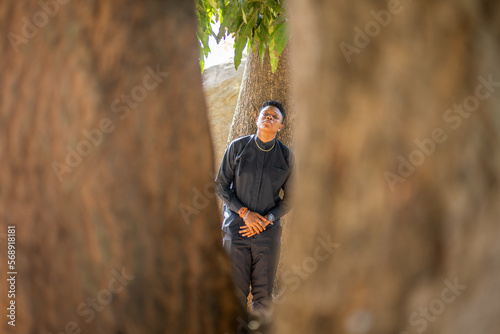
[262, 148]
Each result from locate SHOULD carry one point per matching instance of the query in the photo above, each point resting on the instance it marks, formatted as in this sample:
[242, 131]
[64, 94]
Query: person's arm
[225, 178]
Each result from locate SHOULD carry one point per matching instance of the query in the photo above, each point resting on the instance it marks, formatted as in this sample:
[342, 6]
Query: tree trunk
[396, 222]
[106, 172]
[259, 84]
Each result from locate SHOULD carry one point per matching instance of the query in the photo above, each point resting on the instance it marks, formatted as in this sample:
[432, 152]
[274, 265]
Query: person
[253, 171]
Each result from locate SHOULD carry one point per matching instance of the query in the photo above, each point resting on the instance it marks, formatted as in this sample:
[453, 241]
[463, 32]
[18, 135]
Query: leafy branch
[255, 24]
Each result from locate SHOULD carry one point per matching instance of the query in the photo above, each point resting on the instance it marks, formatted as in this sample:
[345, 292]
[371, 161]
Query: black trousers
[254, 262]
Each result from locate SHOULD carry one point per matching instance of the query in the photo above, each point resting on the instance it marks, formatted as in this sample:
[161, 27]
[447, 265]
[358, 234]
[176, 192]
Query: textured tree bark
[106, 171]
[416, 250]
[258, 85]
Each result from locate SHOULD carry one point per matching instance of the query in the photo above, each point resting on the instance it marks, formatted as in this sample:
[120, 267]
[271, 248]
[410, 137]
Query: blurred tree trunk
[105, 171]
[399, 156]
[259, 85]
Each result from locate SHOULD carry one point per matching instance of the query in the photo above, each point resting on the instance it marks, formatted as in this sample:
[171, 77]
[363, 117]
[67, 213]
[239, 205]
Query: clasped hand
[254, 224]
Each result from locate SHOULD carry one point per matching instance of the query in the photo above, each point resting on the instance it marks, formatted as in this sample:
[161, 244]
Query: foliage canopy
[253, 23]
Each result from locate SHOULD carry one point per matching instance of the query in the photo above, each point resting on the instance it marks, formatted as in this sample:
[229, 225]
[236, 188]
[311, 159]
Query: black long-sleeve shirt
[250, 177]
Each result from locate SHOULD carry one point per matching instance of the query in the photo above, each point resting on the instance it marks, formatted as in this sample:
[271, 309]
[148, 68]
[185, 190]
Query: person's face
[270, 120]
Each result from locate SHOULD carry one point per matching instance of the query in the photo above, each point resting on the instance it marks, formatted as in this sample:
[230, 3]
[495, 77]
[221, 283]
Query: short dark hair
[275, 104]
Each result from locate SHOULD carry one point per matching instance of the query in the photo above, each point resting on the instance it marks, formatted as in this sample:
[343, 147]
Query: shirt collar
[266, 145]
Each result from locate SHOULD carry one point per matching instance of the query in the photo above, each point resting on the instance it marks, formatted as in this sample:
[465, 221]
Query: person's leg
[265, 257]
[240, 255]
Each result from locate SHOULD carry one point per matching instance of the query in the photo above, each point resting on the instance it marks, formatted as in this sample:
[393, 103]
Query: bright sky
[220, 53]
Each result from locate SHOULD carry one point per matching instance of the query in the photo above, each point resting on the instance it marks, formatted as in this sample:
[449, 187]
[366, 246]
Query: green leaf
[274, 6]
[202, 61]
[244, 15]
[239, 45]
[273, 59]
[277, 44]
[212, 3]
[263, 33]
[251, 24]
[278, 20]
[280, 35]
